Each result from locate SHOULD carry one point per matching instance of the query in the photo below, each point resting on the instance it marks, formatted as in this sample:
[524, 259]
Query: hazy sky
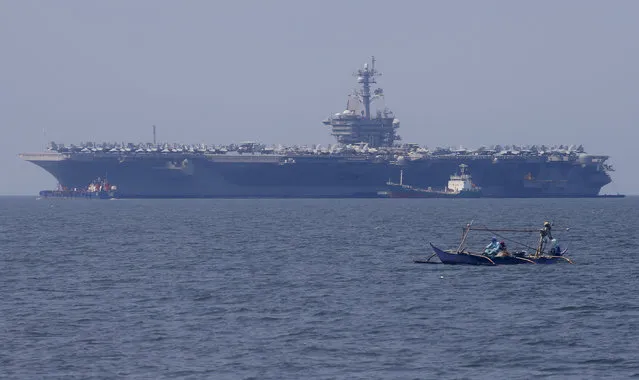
[465, 73]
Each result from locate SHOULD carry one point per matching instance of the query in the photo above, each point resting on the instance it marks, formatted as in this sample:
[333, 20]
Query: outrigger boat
[463, 257]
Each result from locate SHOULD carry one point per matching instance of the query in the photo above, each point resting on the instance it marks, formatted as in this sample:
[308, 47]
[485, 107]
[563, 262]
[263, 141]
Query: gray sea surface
[312, 289]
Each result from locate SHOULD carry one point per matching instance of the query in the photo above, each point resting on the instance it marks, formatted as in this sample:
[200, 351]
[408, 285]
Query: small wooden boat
[463, 257]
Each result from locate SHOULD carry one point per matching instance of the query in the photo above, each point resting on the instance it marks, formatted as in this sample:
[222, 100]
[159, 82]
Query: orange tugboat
[98, 189]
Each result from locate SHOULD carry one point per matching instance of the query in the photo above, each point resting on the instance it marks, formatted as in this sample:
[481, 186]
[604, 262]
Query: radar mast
[366, 77]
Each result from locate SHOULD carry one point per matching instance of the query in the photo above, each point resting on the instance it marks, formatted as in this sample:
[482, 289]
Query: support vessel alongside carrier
[98, 189]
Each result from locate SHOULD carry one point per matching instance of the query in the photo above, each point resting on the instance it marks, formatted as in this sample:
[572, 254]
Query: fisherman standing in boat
[545, 232]
[546, 236]
[555, 249]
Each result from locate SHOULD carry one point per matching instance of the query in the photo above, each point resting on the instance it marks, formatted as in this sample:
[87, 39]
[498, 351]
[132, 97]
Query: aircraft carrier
[368, 153]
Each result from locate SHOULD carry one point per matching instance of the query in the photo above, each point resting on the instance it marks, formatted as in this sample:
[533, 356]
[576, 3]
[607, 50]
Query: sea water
[306, 288]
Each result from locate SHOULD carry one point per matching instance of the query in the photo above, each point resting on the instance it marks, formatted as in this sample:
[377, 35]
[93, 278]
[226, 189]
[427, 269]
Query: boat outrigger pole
[539, 246]
[464, 236]
[504, 229]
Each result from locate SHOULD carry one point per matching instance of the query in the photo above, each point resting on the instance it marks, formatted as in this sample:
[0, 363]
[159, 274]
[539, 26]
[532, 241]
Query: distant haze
[456, 73]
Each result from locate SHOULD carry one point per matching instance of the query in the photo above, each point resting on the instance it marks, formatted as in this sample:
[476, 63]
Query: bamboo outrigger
[462, 256]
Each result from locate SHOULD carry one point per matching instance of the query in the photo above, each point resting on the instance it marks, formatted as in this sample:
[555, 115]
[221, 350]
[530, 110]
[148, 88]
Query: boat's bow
[461, 258]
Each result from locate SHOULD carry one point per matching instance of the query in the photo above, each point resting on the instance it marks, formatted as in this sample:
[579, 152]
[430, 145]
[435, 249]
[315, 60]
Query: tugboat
[459, 186]
[98, 189]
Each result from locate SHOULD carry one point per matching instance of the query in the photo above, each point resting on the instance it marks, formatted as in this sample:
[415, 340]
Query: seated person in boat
[555, 249]
[503, 252]
[492, 248]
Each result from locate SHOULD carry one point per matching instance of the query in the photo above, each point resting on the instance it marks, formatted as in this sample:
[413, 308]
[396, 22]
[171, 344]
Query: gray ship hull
[220, 176]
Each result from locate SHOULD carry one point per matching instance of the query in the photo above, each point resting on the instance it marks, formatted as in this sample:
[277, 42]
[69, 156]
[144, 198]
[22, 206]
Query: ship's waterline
[192, 176]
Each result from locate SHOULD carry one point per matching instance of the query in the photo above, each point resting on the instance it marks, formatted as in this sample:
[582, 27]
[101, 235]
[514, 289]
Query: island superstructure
[367, 154]
[354, 125]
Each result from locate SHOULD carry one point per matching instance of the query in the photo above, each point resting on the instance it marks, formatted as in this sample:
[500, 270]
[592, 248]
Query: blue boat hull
[474, 259]
[461, 258]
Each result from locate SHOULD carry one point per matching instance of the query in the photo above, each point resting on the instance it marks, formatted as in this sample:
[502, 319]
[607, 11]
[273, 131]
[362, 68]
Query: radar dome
[360, 79]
